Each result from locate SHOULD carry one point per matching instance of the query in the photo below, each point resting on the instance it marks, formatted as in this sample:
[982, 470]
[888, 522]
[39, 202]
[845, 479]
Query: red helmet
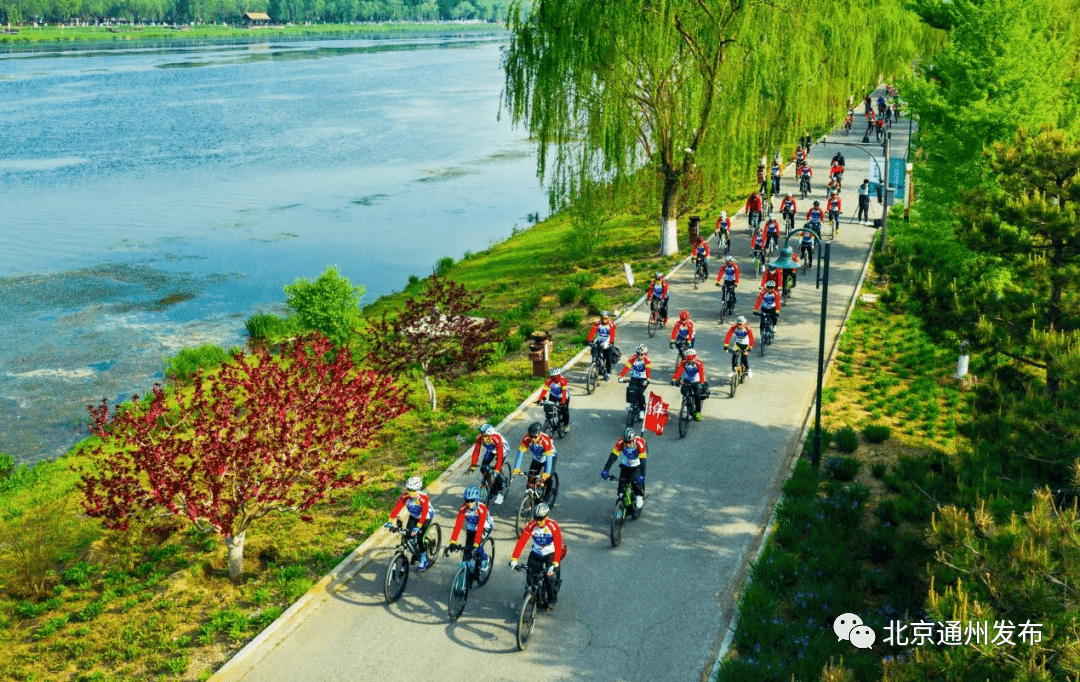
[684, 315]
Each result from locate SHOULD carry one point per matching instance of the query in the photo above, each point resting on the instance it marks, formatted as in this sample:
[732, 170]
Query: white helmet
[414, 483]
[723, 214]
[691, 353]
[741, 320]
[771, 216]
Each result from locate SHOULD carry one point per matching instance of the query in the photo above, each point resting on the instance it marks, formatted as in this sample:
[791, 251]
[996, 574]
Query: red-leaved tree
[436, 332]
[266, 434]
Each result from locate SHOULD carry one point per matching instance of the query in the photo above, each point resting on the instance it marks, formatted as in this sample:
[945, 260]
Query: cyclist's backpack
[615, 354]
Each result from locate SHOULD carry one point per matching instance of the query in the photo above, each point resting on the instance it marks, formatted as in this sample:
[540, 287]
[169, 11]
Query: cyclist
[495, 448]
[768, 304]
[683, 330]
[723, 226]
[658, 290]
[816, 216]
[539, 445]
[804, 177]
[850, 119]
[728, 276]
[603, 330]
[421, 512]
[836, 170]
[772, 233]
[640, 371]
[692, 371]
[800, 159]
[838, 160]
[560, 394]
[869, 116]
[787, 275]
[753, 209]
[773, 275]
[788, 208]
[879, 128]
[862, 215]
[700, 254]
[743, 337]
[835, 207]
[761, 175]
[806, 246]
[631, 452]
[473, 516]
[546, 555]
[774, 173]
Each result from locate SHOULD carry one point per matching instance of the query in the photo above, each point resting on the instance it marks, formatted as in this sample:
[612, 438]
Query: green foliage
[568, 294]
[7, 464]
[185, 364]
[571, 319]
[843, 468]
[271, 328]
[330, 304]
[847, 439]
[877, 433]
[595, 301]
[34, 546]
[444, 265]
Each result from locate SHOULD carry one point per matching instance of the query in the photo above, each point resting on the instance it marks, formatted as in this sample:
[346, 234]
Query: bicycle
[727, 301]
[553, 419]
[487, 479]
[624, 506]
[597, 366]
[536, 491]
[686, 410]
[834, 220]
[789, 221]
[723, 242]
[656, 320]
[772, 242]
[847, 125]
[408, 553]
[807, 252]
[766, 331]
[633, 407]
[787, 286]
[754, 218]
[534, 598]
[739, 375]
[468, 572]
[759, 261]
[700, 273]
[804, 186]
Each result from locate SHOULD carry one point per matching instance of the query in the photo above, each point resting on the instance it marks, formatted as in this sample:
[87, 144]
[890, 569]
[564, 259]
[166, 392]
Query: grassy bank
[44, 35]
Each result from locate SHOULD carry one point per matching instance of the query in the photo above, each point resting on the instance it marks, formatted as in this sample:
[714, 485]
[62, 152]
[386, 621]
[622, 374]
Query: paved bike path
[658, 606]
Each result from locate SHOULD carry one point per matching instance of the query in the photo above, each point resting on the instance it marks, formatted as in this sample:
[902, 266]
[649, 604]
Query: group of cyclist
[543, 535]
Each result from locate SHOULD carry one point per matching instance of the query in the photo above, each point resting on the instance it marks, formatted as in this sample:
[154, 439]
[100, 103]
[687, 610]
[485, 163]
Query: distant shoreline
[56, 35]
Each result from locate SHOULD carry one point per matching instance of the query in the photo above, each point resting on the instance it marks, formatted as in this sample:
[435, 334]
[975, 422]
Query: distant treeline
[232, 11]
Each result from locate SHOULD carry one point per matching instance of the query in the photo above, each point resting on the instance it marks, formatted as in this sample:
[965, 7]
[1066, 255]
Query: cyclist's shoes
[424, 563]
[566, 428]
[749, 374]
[639, 501]
[484, 564]
[731, 374]
[697, 416]
[499, 498]
[641, 415]
[607, 376]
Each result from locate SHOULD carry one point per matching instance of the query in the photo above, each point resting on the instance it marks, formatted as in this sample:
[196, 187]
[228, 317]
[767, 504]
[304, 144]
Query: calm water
[153, 198]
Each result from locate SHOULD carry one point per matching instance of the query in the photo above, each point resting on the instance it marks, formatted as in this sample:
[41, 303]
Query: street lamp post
[816, 459]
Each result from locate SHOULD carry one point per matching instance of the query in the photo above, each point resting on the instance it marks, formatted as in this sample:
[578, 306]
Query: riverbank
[59, 35]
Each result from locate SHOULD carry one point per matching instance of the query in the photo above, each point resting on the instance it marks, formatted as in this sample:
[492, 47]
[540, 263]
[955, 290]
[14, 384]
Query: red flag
[656, 414]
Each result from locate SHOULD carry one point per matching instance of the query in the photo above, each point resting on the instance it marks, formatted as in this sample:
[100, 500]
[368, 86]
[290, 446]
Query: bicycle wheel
[397, 577]
[484, 493]
[524, 515]
[617, 519]
[433, 542]
[723, 307]
[459, 594]
[631, 416]
[654, 322]
[591, 378]
[489, 549]
[549, 427]
[507, 476]
[734, 382]
[684, 417]
[560, 428]
[526, 621]
[553, 493]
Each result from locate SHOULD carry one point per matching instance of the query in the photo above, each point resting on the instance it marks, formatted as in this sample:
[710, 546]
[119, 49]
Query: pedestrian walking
[806, 140]
[862, 215]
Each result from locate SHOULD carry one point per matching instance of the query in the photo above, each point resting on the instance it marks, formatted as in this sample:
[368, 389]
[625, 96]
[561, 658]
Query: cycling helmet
[691, 353]
[642, 349]
[605, 313]
[770, 266]
[414, 483]
[817, 203]
[487, 430]
[659, 275]
[741, 320]
[541, 511]
[628, 435]
[534, 429]
[555, 371]
[772, 216]
[472, 494]
[770, 284]
[788, 194]
[723, 214]
[729, 259]
[684, 314]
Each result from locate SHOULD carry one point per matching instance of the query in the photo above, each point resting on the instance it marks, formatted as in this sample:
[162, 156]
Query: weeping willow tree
[610, 87]
[679, 99]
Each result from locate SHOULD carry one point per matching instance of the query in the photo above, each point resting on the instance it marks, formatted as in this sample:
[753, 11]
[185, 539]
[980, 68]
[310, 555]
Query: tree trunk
[430, 391]
[1053, 315]
[669, 235]
[235, 543]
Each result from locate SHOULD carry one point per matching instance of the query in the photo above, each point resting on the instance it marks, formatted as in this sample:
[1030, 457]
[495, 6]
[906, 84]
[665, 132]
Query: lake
[152, 198]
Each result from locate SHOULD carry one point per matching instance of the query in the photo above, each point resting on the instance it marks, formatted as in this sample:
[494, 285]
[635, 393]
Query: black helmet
[534, 429]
